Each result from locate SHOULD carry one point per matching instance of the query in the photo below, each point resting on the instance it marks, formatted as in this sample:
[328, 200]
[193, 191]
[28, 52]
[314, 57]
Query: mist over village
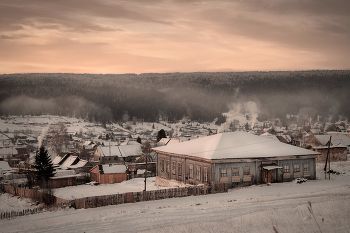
[174, 116]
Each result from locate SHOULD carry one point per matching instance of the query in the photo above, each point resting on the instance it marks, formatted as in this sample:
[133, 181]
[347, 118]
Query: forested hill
[200, 96]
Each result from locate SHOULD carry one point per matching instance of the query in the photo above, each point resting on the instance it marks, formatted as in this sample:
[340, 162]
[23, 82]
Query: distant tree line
[171, 96]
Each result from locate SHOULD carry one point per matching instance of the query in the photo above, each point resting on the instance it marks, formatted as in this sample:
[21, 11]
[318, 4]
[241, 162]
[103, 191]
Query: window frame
[235, 173]
[285, 170]
[306, 168]
[173, 167]
[167, 164]
[162, 165]
[296, 167]
[179, 168]
[190, 172]
[245, 173]
[198, 173]
[205, 174]
[221, 172]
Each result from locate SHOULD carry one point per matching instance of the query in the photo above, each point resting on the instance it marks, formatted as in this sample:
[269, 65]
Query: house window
[286, 168]
[306, 167]
[162, 165]
[179, 167]
[296, 167]
[173, 168]
[235, 171]
[205, 173]
[198, 173]
[223, 172]
[246, 171]
[191, 171]
[167, 166]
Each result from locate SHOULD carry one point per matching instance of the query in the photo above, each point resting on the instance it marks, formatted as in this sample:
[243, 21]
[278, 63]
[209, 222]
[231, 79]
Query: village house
[7, 152]
[72, 162]
[236, 158]
[336, 153]
[63, 178]
[108, 173]
[322, 140]
[5, 168]
[117, 154]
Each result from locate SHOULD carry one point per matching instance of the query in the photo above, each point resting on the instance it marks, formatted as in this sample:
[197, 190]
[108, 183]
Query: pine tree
[161, 134]
[43, 165]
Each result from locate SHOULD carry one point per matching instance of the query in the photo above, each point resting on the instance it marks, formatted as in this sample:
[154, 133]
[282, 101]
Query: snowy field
[250, 209]
[133, 185]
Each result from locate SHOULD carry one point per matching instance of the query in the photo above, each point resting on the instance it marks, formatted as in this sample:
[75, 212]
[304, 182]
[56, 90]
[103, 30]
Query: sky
[157, 36]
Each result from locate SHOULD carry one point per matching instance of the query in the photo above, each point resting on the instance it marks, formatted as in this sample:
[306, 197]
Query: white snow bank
[133, 185]
[9, 203]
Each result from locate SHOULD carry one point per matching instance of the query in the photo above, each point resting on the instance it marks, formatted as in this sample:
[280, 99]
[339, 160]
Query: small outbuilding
[108, 173]
[336, 153]
[63, 179]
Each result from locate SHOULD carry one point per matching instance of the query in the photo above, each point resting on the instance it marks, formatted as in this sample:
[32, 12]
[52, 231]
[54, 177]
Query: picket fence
[12, 214]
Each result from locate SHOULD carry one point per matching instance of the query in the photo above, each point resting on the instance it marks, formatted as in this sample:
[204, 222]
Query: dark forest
[172, 96]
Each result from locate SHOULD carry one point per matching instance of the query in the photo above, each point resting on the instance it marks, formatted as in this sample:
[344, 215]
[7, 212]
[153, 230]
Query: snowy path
[211, 213]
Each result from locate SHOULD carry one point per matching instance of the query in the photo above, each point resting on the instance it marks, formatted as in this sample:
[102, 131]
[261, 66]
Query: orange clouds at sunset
[87, 36]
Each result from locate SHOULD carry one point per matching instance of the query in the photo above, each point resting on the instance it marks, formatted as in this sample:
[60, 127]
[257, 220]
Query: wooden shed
[108, 173]
[64, 178]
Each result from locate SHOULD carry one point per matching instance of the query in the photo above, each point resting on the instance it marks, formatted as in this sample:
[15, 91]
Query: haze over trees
[171, 96]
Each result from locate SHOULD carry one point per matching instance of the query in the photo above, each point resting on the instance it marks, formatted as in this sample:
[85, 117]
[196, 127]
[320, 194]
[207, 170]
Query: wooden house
[63, 179]
[117, 154]
[236, 158]
[322, 140]
[108, 173]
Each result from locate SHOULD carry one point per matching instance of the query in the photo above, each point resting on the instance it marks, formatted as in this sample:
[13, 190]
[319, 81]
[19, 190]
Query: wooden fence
[116, 199]
[12, 214]
[33, 194]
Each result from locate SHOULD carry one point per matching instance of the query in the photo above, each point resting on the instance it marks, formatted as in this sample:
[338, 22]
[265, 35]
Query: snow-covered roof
[113, 168]
[57, 159]
[7, 151]
[336, 139]
[234, 145]
[80, 164]
[120, 151]
[4, 167]
[326, 147]
[270, 136]
[86, 143]
[164, 140]
[131, 150]
[69, 161]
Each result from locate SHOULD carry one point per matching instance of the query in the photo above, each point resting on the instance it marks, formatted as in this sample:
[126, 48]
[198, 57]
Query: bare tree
[60, 139]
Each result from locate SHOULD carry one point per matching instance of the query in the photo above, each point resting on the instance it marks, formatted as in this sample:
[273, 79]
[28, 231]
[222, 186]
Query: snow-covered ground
[250, 209]
[9, 203]
[133, 185]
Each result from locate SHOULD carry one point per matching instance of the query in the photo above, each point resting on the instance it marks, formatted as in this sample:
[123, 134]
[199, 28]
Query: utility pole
[146, 155]
[328, 160]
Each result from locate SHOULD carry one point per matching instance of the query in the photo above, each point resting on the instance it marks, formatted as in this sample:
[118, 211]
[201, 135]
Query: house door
[110, 179]
[269, 176]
